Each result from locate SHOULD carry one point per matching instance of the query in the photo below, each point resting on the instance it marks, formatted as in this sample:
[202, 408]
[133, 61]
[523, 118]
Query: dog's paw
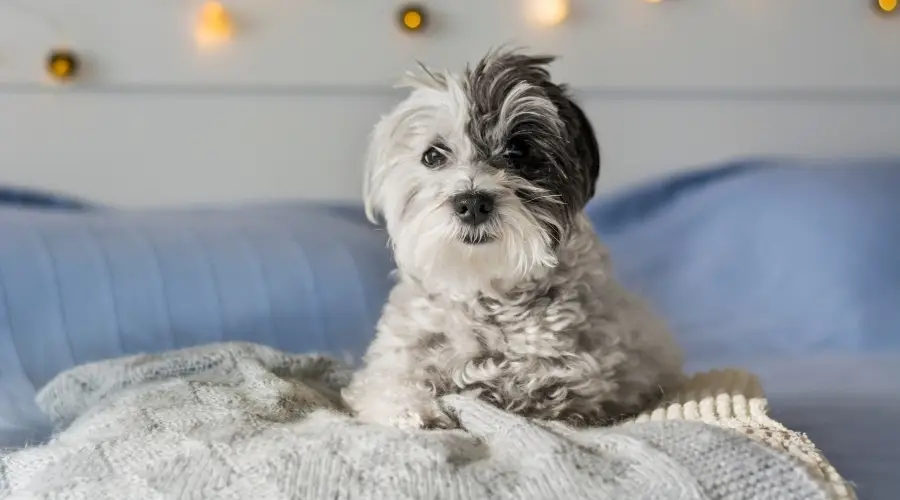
[437, 418]
[409, 420]
[431, 420]
[426, 415]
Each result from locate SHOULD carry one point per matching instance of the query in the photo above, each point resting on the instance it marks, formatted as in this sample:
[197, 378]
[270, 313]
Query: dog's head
[479, 175]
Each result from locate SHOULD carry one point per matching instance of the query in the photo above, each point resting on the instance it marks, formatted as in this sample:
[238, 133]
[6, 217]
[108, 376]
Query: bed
[787, 268]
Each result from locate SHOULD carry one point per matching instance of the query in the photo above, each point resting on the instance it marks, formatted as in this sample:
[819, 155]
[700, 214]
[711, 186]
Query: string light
[214, 24]
[412, 18]
[548, 12]
[886, 6]
[62, 65]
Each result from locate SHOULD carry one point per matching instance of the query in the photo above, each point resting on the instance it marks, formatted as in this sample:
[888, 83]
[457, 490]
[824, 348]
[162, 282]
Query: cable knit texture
[243, 421]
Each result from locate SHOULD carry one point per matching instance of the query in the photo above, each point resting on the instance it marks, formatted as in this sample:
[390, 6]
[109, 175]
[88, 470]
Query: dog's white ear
[377, 165]
[377, 155]
[374, 167]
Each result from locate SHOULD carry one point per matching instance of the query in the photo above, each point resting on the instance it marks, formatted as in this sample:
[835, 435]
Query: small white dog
[504, 290]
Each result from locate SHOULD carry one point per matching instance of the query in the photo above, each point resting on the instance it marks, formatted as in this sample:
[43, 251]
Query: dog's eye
[516, 149]
[433, 157]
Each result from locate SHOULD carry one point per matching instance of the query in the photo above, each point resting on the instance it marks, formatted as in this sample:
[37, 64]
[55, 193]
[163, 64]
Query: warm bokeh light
[888, 6]
[412, 18]
[548, 12]
[62, 65]
[214, 24]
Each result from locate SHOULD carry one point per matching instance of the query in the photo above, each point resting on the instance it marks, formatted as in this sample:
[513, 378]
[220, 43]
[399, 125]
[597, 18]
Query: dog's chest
[519, 356]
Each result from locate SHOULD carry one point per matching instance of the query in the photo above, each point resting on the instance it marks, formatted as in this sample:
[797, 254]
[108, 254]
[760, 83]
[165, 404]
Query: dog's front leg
[387, 391]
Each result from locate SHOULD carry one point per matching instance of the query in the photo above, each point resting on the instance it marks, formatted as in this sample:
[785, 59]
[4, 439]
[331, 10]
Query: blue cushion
[765, 257]
[790, 269]
[84, 284]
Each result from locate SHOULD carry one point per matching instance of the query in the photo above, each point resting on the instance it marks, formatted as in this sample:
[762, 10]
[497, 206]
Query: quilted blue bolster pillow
[81, 283]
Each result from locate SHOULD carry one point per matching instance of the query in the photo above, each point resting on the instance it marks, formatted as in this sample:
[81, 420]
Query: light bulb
[886, 6]
[413, 18]
[214, 24]
[62, 65]
[548, 12]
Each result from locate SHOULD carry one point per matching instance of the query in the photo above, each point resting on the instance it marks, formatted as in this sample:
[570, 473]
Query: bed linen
[241, 420]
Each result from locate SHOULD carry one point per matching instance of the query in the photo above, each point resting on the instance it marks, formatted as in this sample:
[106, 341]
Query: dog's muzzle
[472, 209]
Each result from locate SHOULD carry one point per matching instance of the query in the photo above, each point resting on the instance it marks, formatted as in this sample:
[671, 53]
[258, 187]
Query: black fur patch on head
[524, 123]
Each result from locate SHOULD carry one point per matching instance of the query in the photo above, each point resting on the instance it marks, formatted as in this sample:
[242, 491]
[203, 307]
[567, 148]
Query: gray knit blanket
[242, 421]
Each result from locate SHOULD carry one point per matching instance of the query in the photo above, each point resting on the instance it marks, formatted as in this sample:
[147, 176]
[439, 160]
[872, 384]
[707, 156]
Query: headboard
[283, 108]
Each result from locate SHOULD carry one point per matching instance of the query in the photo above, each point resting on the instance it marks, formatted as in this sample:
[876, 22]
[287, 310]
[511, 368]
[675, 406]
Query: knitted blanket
[242, 421]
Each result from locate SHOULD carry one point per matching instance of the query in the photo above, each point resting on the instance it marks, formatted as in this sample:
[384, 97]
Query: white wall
[284, 109]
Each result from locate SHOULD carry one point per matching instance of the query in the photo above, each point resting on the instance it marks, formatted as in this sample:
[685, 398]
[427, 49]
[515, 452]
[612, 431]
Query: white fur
[538, 329]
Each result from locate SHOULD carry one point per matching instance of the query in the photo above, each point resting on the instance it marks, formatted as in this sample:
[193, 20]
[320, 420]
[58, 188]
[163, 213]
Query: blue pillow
[765, 258]
[79, 285]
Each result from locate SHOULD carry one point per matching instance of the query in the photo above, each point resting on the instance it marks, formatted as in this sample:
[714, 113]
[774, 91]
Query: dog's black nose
[473, 208]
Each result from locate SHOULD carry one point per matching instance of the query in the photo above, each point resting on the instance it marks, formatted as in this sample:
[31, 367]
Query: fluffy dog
[504, 291]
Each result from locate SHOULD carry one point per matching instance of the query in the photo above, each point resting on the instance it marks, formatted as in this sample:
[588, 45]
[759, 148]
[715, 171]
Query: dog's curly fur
[521, 310]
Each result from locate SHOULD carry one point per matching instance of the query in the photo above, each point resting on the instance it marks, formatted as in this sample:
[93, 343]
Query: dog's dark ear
[588, 150]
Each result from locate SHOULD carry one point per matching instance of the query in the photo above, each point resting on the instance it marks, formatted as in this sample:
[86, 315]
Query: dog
[503, 290]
